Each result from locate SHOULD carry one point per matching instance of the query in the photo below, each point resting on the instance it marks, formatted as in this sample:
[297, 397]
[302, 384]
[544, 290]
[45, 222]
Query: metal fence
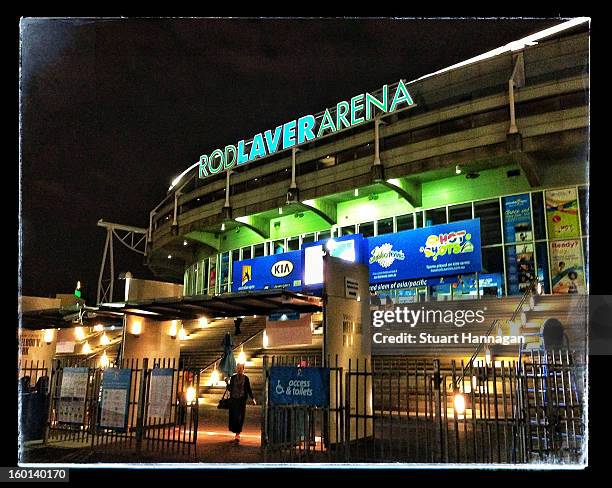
[424, 411]
[78, 421]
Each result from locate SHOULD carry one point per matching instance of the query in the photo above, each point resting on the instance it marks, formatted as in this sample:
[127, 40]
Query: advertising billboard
[268, 272]
[439, 250]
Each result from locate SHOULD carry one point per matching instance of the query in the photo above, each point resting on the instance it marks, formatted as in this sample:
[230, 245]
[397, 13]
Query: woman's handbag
[224, 402]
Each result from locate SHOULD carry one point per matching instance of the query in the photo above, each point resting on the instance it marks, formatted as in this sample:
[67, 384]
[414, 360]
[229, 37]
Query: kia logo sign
[282, 268]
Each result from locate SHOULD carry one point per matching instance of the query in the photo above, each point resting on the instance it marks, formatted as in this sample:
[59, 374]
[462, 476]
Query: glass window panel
[517, 218]
[367, 229]
[460, 212]
[306, 238]
[418, 219]
[435, 216]
[246, 252]
[293, 244]
[324, 234]
[258, 250]
[347, 230]
[278, 247]
[492, 276]
[404, 222]
[539, 215]
[224, 271]
[490, 221]
[385, 226]
[543, 271]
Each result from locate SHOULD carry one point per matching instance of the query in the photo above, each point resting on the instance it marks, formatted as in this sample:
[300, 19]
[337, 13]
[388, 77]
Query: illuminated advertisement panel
[268, 272]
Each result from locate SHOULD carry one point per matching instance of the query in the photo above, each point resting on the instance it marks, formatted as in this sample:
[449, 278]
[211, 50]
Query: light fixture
[214, 377]
[173, 329]
[182, 334]
[104, 340]
[457, 170]
[223, 227]
[487, 356]
[79, 333]
[190, 395]
[280, 210]
[185, 243]
[98, 328]
[265, 340]
[86, 349]
[202, 322]
[241, 357]
[136, 328]
[356, 192]
[459, 403]
[169, 256]
[48, 335]
[104, 361]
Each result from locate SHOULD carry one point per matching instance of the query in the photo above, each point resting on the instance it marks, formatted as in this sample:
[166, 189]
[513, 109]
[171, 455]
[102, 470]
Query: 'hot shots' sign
[439, 250]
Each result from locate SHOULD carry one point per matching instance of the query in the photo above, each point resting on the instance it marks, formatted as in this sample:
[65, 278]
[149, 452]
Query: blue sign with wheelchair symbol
[290, 385]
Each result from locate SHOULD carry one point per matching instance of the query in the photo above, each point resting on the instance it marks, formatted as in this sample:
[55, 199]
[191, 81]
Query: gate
[425, 411]
[152, 408]
[300, 433]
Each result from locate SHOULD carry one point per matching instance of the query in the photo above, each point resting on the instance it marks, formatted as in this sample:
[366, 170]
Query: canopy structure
[69, 317]
[226, 305]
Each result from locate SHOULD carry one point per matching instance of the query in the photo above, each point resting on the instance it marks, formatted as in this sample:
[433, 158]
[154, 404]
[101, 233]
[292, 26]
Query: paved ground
[215, 445]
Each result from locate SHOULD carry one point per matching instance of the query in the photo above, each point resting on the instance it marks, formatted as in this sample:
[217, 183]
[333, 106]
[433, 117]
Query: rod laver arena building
[463, 191]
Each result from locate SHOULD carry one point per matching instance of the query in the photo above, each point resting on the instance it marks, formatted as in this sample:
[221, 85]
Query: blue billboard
[439, 250]
[268, 272]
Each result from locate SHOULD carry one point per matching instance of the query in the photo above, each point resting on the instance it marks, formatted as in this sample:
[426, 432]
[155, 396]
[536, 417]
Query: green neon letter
[229, 163]
[341, 110]
[305, 126]
[355, 107]
[372, 100]
[327, 122]
[272, 141]
[219, 153]
[289, 134]
[203, 173]
[241, 158]
[401, 95]
[258, 149]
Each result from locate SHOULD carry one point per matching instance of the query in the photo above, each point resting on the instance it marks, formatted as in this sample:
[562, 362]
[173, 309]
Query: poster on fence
[73, 391]
[115, 398]
[160, 392]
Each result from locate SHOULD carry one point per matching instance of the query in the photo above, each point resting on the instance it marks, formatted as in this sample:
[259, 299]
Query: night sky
[113, 110]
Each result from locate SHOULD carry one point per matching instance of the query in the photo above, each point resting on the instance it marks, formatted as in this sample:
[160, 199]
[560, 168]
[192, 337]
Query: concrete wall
[139, 289]
[346, 335]
[153, 341]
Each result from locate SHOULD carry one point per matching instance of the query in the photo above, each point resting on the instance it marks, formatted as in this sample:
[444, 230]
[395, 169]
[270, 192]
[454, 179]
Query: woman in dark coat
[239, 388]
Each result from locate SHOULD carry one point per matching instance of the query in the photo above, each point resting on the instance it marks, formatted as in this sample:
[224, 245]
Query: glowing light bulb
[48, 335]
[190, 395]
[79, 333]
[182, 334]
[214, 378]
[104, 361]
[459, 403]
[202, 322]
[136, 328]
[265, 339]
[104, 340]
[487, 356]
[86, 349]
[241, 357]
[173, 329]
[98, 328]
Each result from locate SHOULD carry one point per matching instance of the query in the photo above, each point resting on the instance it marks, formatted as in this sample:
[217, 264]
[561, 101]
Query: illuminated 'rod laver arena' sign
[304, 129]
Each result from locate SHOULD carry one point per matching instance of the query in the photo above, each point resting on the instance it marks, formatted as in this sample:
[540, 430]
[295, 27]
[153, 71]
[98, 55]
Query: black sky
[112, 110]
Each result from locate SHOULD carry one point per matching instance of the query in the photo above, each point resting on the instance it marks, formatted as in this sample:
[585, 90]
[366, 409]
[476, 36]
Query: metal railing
[248, 339]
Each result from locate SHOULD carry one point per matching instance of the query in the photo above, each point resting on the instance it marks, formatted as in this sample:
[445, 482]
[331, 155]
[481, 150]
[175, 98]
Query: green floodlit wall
[458, 189]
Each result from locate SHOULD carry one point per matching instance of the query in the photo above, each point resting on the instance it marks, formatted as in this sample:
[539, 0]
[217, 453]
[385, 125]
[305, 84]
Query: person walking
[239, 388]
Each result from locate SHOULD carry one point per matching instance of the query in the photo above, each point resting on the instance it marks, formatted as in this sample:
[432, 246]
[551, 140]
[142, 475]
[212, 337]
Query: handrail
[252, 336]
[479, 347]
